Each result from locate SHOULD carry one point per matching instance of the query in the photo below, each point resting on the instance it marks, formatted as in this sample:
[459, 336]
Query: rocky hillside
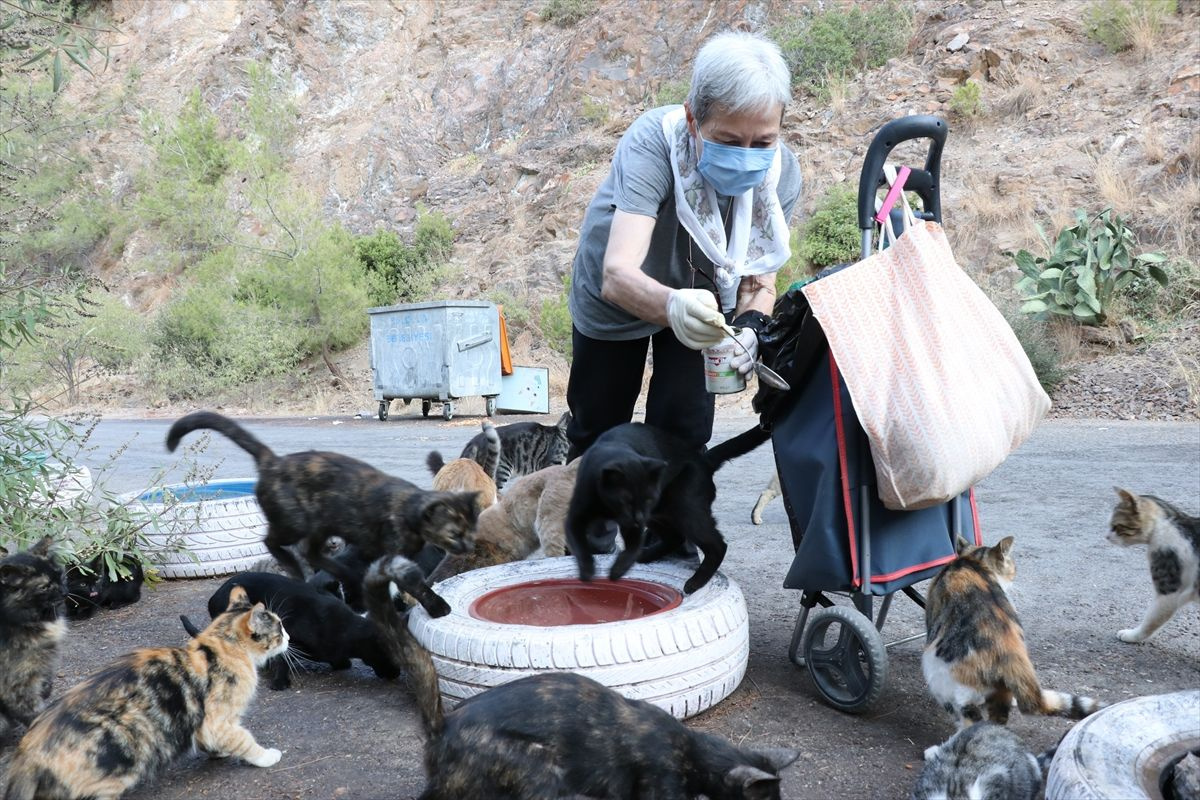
[504, 121]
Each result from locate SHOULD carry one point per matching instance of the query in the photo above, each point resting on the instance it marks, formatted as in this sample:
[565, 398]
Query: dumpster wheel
[447, 411]
[490, 405]
[425, 406]
[383, 410]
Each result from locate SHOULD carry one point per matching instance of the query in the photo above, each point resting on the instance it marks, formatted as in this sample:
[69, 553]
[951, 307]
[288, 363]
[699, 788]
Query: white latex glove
[694, 317]
[743, 361]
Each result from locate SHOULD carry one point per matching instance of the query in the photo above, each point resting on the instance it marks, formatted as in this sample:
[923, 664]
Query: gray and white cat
[1173, 548]
[525, 447]
[985, 761]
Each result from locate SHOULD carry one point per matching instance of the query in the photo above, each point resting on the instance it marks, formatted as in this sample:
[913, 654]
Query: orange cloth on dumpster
[505, 355]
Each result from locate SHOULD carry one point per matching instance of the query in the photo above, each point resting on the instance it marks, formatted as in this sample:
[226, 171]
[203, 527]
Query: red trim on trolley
[975, 518]
[841, 443]
[900, 573]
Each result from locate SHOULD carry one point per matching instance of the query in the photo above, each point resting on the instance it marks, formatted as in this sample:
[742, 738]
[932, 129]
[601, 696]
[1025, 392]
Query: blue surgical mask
[733, 170]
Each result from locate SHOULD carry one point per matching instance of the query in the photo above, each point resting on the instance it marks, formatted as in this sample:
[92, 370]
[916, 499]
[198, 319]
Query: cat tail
[403, 648]
[435, 462]
[737, 446]
[23, 780]
[491, 461]
[1065, 704]
[207, 420]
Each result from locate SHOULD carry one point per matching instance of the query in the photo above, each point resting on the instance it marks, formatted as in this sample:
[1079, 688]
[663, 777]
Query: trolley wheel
[425, 406]
[447, 411]
[383, 410]
[490, 405]
[846, 658]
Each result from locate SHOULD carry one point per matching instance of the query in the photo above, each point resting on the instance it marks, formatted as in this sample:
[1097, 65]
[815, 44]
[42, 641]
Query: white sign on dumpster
[526, 391]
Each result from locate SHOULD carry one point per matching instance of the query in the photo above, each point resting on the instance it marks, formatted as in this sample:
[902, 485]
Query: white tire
[224, 533]
[1121, 750]
[684, 659]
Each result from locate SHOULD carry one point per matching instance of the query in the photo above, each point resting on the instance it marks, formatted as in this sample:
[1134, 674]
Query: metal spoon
[765, 374]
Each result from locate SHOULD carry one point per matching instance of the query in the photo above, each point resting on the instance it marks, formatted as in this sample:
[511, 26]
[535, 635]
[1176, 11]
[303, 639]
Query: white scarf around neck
[758, 240]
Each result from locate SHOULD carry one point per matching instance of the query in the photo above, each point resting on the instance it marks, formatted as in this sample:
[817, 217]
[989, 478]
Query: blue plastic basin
[213, 490]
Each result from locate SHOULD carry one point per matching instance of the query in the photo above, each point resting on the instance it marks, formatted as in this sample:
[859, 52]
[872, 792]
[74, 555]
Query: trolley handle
[925, 182]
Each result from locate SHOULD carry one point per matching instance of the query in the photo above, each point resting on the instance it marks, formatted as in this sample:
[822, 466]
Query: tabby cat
[1172, 540]
[311, 496]
[466, 474]
[32, 630]
[648, 480]
[528, 522]
[975, 652]
[983, 762]
[525, 447]
[132, 718]
[554, 735]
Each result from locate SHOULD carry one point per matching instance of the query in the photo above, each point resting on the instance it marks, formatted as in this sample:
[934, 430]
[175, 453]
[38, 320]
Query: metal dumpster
[439, 351]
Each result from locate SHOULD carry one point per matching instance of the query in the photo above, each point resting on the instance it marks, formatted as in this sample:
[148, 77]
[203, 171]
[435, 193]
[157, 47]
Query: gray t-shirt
[640, 182]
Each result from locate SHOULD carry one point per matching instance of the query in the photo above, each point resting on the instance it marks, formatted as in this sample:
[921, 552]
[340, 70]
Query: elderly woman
[690, 224]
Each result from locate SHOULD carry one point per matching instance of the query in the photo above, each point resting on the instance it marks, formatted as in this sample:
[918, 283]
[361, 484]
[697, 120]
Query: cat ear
[611, 477]
[1004, 545]
[778, 757]
[238, 599]
[1127, 497]
[563, 421]
[261, 620]
[9, 572]
[654, 469]
[961, 545]
[3, 551]
[753, 782]
[42, 547]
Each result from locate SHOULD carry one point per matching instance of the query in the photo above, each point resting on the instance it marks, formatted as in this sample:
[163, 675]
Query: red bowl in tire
[570, 601]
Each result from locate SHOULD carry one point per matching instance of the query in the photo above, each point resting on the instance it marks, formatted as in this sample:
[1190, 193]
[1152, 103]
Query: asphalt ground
[351, 735]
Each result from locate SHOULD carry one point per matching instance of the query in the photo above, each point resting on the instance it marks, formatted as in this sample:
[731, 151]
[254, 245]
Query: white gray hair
[738, 71]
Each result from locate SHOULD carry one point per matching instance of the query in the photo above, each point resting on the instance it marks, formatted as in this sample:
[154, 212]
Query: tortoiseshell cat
[975, 654]
[132, 718]
[555, 735]
[1172, 540]
[32, 629]
[311, 496]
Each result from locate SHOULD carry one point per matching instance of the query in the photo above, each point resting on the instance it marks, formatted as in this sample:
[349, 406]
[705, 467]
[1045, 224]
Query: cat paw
[931, 752]
[1130, 635]
[269, 757]
[437, 607]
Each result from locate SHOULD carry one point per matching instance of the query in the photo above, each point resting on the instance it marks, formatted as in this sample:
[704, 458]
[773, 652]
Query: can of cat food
[719, 375]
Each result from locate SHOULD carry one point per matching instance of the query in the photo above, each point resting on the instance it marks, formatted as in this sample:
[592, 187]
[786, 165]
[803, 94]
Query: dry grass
[1174, 217]
[1152, 143]
[1068, 339]
[839, 89]
[1187, 371]
[991, 204]
[1143, 29]
[1025, 92]
[1112, 185]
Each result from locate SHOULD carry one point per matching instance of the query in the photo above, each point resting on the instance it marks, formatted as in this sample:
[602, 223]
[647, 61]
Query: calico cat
[320, 627]
[465, 474]
[648, 480]
[309, 497]
[975, 652]
[525, 447]
[1172, 540]
[89, 587]
[133, 717]
[985, 762]
[554, 735]
[528, 522]
[32, 630]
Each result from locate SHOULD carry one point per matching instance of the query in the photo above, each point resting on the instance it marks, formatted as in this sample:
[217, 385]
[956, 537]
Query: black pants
[606, 378]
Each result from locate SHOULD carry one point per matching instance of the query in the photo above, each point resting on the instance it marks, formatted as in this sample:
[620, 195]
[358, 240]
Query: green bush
[1089, 264]
[965, 100]
[837, 43]
[671, 93]
[1149, 301]
[831, 235]
[555, 320]
[565, 13]
[403, 273]
[1038, 343]
[1112, 22]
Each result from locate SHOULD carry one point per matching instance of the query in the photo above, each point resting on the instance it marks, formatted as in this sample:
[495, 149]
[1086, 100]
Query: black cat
[89, 588]
[320, 627]
[650, 481]
[312, 496]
